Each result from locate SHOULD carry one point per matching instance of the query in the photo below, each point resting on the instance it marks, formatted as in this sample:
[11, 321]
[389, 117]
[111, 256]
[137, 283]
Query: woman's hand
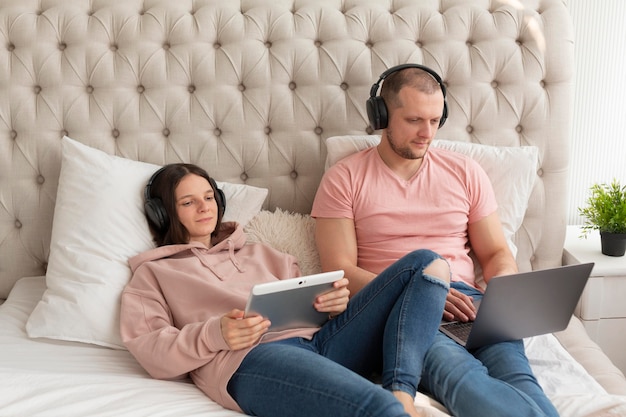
[239, 332]
[335, 301]
[459, 307]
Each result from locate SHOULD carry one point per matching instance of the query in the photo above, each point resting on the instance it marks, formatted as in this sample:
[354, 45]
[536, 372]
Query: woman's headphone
[156, 212]
[376, 108]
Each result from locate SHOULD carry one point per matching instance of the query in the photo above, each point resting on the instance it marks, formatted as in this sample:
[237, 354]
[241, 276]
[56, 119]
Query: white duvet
[51, 378]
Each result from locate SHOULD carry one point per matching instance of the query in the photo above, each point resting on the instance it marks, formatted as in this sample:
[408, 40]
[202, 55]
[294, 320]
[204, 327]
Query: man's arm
[336, 244]
[489, 245]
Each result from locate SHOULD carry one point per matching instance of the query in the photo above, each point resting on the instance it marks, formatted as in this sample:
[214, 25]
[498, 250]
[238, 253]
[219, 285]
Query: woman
[182, 313]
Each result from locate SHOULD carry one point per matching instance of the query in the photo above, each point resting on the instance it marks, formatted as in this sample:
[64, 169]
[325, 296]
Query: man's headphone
[156, 212]
[376, 108]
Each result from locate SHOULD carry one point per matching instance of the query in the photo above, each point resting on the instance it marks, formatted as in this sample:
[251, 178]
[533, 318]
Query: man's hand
[459, 307]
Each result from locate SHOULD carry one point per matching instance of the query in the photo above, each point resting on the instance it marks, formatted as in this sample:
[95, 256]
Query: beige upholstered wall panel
[250, 89]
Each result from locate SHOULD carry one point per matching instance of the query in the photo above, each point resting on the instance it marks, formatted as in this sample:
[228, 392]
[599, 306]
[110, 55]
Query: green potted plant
[606, 212]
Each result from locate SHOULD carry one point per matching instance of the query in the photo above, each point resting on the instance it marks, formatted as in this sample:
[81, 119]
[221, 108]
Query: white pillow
[512, 171]
[98, 224]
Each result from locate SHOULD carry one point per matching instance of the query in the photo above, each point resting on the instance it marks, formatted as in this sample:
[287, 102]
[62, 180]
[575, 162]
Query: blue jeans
[387, 328]
[494, 380]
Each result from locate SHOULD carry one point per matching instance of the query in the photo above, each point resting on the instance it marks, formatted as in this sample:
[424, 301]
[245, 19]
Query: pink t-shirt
[393, 217]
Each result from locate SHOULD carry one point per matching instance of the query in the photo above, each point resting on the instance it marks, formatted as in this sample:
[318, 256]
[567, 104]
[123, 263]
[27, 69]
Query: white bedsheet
[52, 378]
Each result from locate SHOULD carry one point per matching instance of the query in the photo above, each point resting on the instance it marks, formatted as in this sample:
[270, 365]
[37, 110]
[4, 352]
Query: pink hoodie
[171, 308]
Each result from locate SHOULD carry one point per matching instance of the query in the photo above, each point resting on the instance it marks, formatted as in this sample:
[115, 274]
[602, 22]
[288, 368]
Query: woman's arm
[163, 350]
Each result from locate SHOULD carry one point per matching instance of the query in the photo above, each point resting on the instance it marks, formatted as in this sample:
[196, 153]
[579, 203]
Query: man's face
[413, 125]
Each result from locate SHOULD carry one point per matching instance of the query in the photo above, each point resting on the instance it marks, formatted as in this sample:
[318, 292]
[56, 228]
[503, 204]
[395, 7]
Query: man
[375, 206]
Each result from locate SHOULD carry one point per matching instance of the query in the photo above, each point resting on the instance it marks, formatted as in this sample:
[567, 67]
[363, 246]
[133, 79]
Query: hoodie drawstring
[231, 255]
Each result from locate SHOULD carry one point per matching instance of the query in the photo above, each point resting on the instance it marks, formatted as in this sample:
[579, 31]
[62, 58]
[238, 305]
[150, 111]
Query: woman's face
[196, 207]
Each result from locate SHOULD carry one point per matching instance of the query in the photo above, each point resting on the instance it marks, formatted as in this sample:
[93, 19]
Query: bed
[96, 94]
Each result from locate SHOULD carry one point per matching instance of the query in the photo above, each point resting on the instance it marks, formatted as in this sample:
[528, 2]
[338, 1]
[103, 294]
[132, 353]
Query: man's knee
[439, 268]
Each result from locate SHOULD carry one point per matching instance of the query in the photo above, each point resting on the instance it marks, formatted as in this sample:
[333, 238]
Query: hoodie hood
[230, 237]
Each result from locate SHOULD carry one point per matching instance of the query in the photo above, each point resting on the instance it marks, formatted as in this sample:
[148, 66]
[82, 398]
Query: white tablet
[288, 303]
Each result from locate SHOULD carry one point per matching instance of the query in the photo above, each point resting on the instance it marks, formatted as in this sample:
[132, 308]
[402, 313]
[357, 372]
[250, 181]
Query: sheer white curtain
[599, 121]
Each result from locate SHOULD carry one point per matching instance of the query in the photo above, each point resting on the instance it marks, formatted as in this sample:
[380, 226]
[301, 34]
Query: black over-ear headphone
[156, 212]
[376, 108]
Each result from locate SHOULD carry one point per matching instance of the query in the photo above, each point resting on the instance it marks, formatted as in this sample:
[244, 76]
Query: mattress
[41, 377]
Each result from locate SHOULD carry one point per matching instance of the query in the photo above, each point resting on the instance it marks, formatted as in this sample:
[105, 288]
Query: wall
[599, 121]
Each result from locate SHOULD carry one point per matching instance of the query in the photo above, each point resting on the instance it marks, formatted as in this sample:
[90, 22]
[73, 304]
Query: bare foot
[416, 408]
[408, 402]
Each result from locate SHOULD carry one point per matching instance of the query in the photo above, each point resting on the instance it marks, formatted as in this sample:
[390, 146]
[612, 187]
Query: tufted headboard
[250, 89]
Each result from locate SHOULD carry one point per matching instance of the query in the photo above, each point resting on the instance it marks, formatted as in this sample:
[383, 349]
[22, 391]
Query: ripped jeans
[388, 327]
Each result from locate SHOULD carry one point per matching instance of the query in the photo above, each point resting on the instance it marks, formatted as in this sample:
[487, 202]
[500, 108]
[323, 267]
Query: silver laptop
[288, 303]
[523, 305]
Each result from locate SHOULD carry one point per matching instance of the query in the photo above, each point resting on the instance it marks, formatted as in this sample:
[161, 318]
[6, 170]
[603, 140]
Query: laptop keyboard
[460, 329]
